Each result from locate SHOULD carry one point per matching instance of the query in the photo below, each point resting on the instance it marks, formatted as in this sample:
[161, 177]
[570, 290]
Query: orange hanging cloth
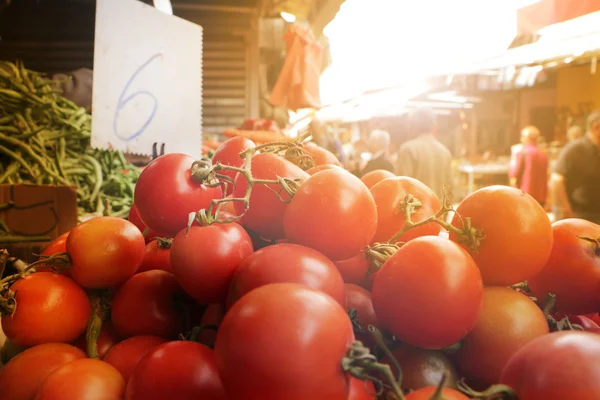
[298, 83]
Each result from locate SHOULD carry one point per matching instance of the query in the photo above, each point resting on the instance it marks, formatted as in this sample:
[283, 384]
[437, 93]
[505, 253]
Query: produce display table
[481, 169]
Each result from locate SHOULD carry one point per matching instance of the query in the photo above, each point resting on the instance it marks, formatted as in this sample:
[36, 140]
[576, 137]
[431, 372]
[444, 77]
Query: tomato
[106, 340]
[205, 259]
[302, 265]
[428, 392]
[157, 255]
[510, 219]
[179, 370]
[213, 315]
[509, 320]
[360, 299]
[332, 212]
[22, 377]
[389, 196]
[126, 355]
[50, 308]
[277, 316]
[105, 252]
[355, 269]
[265, 215]
[228, 153]
[147, 305]
[361, 390]
[585, 322]
[561, 365]
[134, 218]
[83, 379]
[322, 167]
[370, 179]
[423, 368]
[368, 283]
[594, 317]
[166, 194]
[58, 245]
[425, 276]
[320, 155]
[573, 271]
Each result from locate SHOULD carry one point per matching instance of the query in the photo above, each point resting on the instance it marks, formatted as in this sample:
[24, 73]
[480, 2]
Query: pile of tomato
[267, 297]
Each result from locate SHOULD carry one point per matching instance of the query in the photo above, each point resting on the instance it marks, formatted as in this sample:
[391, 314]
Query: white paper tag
[164, 6]
[147, 80]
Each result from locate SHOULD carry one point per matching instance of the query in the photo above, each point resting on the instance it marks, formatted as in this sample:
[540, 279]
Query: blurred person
[378, 145]
[530, 171]
[424, 157]
[575, 181]
[574, 133]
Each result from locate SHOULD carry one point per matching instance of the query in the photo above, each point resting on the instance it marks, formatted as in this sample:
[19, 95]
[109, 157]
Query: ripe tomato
[205, 259]
[134, 218]
[573, 271]
[425, 276]
[561, 365]
[263, 317]
[322, 167]
[58, 245]
[156, 256]
[510, 219]
[361, 390]
[372, 178]
[213, 315]
[228, 153]
[106, 340]
[332, 212]
[22, 377]
[423, 368]
[428, 392]
[355, 269]
[179, 370]
[147, 305]
[360, 299]
[83, 379]
[389, 196]
[320, 155]
[509, 320]
[166, 194]
[105, 252]
[50, 308]
[302, 265]
[265, 215]
[126, 355]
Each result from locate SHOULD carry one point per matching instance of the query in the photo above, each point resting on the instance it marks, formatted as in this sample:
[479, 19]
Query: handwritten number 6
[123, 100]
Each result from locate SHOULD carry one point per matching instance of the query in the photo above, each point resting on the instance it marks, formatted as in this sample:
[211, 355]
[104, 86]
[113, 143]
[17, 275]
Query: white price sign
[147, 80]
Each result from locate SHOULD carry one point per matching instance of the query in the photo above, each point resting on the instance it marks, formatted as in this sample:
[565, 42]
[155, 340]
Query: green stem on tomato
[100, 311]
[495, 391]
[380, 342]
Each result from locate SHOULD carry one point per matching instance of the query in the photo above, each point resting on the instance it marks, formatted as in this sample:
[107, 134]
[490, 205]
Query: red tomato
[322, 167]
[213, 315]
[126, 355]
[573, 271]
[426, 275]
[372, 178]
[107, 339]
[509, 320]
[205, 259]
[105, 252]
[332, 212]
[22, 377]
[389, 195]
[594, 317]
[146, 305]
[561, 365]
[179, 370]
[427, 394]
[510, 219]
[360, 299]
[355, 269]
[320, 155]
[134, 218]
[156, 256]
[50, 308]
[302, 265]
[83, 379]
[264, 317]
[265, 214]
[361, 390]
[228, 153]
[58, 245]
[166, 194]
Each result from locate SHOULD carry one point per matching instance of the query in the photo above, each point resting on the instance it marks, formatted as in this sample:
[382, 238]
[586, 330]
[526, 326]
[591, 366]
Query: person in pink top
[530, 172]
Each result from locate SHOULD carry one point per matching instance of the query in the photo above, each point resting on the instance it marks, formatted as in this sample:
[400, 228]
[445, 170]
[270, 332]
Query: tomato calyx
[194, 334]
[292, 151]
[498, 392]
[379, 253]
[100, 303]
[562, 324]
[594, 244]
[164, 243]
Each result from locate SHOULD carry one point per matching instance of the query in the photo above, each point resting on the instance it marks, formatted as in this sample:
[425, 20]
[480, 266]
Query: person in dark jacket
[379, 143]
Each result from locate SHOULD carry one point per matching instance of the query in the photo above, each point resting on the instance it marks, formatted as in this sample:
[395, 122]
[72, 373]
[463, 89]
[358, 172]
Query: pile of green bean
[45, 140]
